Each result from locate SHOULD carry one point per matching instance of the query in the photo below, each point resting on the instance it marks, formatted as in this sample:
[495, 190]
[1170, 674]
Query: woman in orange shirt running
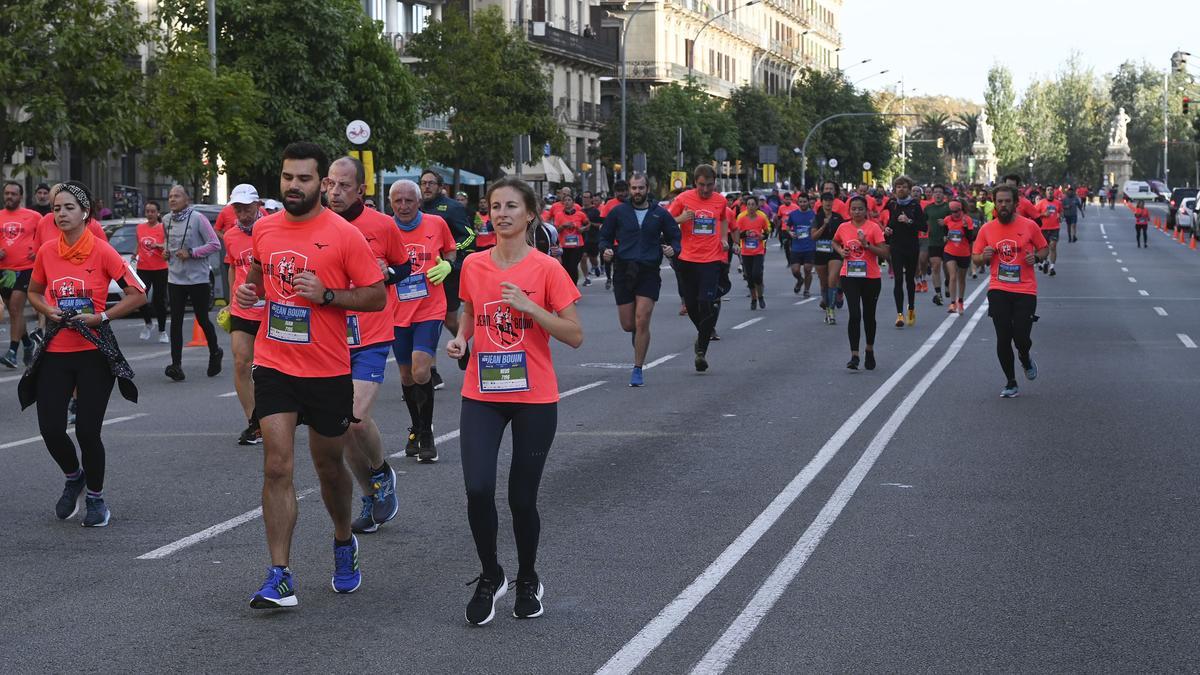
[860, 243]
[515, 299]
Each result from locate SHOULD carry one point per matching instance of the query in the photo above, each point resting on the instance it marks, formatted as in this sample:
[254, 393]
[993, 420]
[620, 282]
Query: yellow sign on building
[678, 180]
[768, 173]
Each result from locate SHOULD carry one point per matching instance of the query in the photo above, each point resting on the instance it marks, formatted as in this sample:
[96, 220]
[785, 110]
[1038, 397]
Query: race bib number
[353, 337]
[856, 269]
[413, 287]
[824, 246]
[502, 372]
[955, 235]
[80, 305]
[1009, 274]
[290, 324]
[571, 240]
[752, 243]
[704, 226]
[800, 232]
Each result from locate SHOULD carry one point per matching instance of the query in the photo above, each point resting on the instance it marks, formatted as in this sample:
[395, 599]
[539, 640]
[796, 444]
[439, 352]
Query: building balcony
[726, 23]
[568, 45]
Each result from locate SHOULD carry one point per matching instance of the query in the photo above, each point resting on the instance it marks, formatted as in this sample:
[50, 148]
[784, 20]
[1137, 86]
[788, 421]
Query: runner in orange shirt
[243, 323]
[152, 269]
[860, 243]
[959, 233]
[701, 214]
[752, 232]
[1051, 210]
[311, 267]
[572, 225]
[18, 241]
[515, 299]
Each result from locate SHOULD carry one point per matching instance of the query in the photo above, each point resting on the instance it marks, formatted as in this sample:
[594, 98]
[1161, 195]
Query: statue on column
[985, 129]
[1119, 136]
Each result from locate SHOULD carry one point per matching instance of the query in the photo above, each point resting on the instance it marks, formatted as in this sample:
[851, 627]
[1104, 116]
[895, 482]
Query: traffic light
[1179, 61]
[941, 142]
[1186, 103]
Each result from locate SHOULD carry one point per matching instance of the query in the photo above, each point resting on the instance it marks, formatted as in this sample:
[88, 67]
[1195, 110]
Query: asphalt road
[776, 514]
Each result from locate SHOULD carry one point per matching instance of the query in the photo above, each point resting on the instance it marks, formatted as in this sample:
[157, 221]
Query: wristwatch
[327, 298]
[104, 317]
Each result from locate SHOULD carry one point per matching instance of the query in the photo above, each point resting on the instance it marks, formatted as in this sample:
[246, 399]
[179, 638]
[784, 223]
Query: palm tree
[970, 123]
[933, 125]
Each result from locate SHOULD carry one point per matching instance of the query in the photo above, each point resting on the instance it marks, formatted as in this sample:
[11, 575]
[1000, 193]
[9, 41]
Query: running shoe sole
[541, 608]
[333, 585]
[491, 615]
[103, 523]
[260, 602]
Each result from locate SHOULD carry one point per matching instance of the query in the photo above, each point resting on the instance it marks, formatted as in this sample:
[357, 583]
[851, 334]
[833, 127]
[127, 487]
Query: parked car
[1177, 197]
[1161, 192]
[1185, 215]
[124, 239]
[1137, 190]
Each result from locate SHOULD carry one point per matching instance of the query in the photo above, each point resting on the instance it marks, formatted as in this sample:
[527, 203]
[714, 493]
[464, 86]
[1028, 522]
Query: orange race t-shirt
[841, 208]
[752, 232]
[47, 230]
[419, 300]
[239, 255]
[701, 235]
[485, 236]
[510, 359]
[83, 288]
[858, 262]
[1010, 272]
[18, 238]
[371, 328]
[1051, 211]
[300, 338]
[1028, 209]
[149, 258]
[570, 227]
[783, 212]
[957, 243]
[609, 206]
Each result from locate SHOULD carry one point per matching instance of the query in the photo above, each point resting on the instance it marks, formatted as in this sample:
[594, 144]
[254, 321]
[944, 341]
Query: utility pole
[212, 64]
[903, 129]
[1166, 129]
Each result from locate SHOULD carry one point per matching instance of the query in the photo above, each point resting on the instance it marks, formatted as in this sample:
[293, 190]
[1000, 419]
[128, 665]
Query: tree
[851, 140]
[757, 123]
[196, 114]
[1000, 99]
[319, 65]
[1080, 110]
[489, 80]
[68, 72]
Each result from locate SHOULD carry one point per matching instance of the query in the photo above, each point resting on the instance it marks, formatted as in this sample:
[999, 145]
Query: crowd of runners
[325, 290]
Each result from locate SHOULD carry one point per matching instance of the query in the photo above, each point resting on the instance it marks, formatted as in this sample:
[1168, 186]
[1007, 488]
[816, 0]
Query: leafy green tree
[1043, 140]
[319, 65]
[757, 124]
[1001, 99]
[853, 140]
[1080, 109]
[68, 71]
[196, 114]
[490, 81]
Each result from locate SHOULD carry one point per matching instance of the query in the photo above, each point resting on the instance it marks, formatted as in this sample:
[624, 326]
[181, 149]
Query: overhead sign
[639, 162]
[358, 132]
[720, 154]
[768, 154]
[678, 180]
[833, 163]
[866, 166]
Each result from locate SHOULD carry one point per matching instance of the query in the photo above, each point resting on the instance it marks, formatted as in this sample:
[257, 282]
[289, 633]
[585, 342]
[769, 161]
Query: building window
[539, 10]
[687, 53]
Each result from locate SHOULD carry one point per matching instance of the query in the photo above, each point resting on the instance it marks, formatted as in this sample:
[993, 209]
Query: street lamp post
[692, 51]
[624, 31]
[804, 147]
[864, 79]
[853, 66]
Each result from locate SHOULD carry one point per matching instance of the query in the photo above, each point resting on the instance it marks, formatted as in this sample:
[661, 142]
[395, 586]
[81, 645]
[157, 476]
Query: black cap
[41, 186]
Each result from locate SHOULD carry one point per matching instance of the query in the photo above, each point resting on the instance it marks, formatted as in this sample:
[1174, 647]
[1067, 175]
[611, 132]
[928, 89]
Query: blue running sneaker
[635, 380]
[346, 576]
[1009, 391]
[365, 522]
[71, 500]
[387, 504]
[1031, 371]
[277, 591]
[97, 514]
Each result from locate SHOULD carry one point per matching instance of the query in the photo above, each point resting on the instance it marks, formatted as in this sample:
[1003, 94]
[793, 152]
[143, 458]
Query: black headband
[77, 192]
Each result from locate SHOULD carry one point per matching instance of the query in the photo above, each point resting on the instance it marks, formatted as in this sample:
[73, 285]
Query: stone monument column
[983, 151]
[1118, 164]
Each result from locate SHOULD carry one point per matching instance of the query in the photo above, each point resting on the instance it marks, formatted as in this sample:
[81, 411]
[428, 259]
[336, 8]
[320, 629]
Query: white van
[1138, 189]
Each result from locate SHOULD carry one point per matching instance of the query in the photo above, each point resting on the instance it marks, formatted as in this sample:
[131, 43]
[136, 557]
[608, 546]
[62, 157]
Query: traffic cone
[198, 339]
[1193, 244]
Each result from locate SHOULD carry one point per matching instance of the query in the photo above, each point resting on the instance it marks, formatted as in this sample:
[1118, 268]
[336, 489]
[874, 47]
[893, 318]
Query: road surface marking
[1187, 341]
[70, 430]
[751, 322]
[631, 655]
[659, 361]
[1124, 269]
[1119, 261]
[1132, 280]
[1160, 311]
[221, 528]
[1145, 293]
[1102, 230]
[740, 630]
[228, 395]
[804, 301]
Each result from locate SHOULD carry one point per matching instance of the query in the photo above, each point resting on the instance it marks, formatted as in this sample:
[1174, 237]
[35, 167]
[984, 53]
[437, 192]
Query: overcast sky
[946, 47]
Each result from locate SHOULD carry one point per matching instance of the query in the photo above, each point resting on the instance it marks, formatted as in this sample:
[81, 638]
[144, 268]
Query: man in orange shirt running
[701, 214]
[18, 238]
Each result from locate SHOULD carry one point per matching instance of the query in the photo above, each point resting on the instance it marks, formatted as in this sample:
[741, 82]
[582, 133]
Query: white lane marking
[1160, 311]
[740, 630]
[1119, 261]
[659, 361]
[1114, 252]
[250, 515]
[1143, 293]
[70, 430]
[802, 302]
[1187, 341]
[1124, 269]
[1102, 230]
[1132, 280]
[631, 655]
[219, 528]
[1109, 246]
[228, 395]
[750, 322]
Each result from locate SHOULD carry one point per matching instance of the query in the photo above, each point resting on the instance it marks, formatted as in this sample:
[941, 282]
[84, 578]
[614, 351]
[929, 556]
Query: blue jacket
[639, 243]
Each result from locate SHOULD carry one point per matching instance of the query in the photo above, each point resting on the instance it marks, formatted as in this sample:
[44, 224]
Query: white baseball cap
[243, 193]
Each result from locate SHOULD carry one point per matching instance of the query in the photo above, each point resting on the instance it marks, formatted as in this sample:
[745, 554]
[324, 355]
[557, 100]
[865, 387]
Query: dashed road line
[750, 322]
[70, 430]
[1187, 341]
[1160, 311]
[1143, 293]
[804, 302]
[1132, 280]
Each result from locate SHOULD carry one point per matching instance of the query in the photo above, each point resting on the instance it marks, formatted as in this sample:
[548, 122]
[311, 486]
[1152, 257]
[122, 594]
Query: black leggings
[571, 257]
[156, 288]
[86, 373]
[1140, 233]
[1012, 314]
[867, 292]
[533, 427]
[198, 295]
[904, 265]
[698, 284]
[752, 269]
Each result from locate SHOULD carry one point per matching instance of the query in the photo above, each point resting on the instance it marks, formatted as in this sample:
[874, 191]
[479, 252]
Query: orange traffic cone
[198, 339]
[1193, 244]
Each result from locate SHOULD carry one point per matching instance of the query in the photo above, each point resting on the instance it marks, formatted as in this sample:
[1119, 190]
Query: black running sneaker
[426, 450]
[852, 364]
[529, 598]
[412, 447]
[482, 607]
[174, 372]
[437, 380]
[71, 500]
[214, 362]
[869, 361]
[252, 435]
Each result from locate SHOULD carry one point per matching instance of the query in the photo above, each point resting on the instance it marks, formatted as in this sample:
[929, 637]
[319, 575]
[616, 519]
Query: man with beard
[41, 199]
[311, 267]
[645, 232]
[1011, 245]
[434, 201]
[18, 239]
